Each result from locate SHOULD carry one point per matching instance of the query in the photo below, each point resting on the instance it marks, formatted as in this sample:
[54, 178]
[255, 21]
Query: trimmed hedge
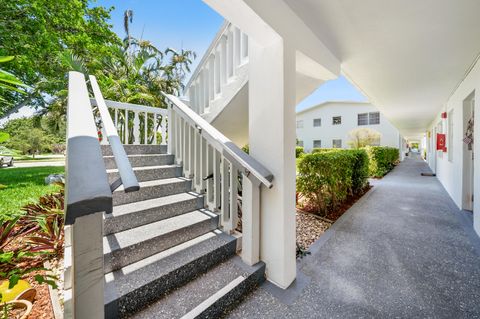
[321, 150]
[299, 151]
[382, 159]
[327, 177]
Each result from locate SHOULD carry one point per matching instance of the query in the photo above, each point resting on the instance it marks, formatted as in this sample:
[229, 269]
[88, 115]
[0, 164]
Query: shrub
[321, 150]
[298, 151]
[246, 149]
[360, 170]
[325, 178]
[382, 159]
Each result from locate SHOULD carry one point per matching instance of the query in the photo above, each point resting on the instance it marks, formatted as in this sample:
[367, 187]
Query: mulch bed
[311, 226]
[42, 306]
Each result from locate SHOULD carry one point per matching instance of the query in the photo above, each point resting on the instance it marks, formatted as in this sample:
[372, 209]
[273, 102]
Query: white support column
[88, 277]
[272, 142]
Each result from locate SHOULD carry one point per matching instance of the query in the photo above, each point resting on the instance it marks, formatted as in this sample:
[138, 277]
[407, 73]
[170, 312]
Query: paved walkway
[403, 251]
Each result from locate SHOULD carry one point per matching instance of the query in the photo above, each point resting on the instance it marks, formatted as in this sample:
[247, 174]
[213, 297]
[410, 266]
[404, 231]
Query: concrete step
[152, 189]
[149, 173]
[211, 295]
[136, 214]
[129, 246]
[133, 287]
[137, 149]
[139, 160]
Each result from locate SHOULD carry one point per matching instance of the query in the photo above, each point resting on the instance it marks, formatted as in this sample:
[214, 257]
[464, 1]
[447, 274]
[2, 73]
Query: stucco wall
[450, 173]
[348, 111]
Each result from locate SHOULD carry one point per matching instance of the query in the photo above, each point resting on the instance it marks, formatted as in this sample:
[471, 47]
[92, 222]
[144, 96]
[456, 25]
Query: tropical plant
[9, 83]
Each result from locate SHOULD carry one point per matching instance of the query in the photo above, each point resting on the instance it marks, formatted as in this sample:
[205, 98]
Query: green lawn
[20, 186]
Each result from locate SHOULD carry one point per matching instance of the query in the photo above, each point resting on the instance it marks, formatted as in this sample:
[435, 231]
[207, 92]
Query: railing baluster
[163, 128]
[233, 198]
[126, 127]
[217, 179]
[146, 128]
[250, 221]
[225, 210]
[209, 173]
[136, 129]
[197, 175]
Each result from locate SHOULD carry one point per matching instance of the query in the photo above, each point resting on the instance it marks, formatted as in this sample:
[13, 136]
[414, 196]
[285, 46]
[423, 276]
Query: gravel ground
[309, 228]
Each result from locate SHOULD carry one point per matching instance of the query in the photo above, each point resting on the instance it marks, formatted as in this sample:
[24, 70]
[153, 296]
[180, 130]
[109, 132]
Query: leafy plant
[382, 159]
[298, 151]
[361, 137]
[45, 221]
[325, 179]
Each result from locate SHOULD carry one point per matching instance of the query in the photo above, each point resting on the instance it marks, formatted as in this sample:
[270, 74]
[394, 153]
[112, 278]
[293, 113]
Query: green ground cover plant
[21, 186]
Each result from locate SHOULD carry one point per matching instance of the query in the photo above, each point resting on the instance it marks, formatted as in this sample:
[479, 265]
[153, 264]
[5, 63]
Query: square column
[272, 142]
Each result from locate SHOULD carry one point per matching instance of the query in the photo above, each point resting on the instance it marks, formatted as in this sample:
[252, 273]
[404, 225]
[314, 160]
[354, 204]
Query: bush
[299, 151]
[325, 178]
[321, 150]
[382, 159]
[360, 170]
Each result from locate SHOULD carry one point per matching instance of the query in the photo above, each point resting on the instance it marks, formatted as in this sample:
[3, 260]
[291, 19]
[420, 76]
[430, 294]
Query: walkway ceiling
[406, 56]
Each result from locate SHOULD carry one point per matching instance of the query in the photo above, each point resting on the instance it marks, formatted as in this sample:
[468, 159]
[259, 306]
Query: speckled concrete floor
[403, 251]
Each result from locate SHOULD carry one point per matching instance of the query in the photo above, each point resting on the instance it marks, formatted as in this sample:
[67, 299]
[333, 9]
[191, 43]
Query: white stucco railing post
[250, 221]
[87, 267]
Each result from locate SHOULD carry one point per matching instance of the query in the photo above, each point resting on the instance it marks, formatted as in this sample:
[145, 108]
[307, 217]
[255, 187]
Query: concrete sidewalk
[403, 251]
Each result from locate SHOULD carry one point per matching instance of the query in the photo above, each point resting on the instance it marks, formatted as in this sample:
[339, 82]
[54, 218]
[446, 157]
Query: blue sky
[192, 24]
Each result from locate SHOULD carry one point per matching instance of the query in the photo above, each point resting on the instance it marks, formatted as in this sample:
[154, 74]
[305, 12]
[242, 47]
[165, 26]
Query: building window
[299, 143]
[300, 124]
[450, 136]
[336, 120]
[374, 118]
[317, 143]
[337, 143]
[317, 122]
[363, 119]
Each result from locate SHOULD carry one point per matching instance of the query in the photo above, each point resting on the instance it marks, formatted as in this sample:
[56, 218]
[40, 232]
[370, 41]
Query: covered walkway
[403, 251]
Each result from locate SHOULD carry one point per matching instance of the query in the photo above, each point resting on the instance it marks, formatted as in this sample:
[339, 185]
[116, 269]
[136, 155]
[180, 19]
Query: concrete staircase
[164, 256]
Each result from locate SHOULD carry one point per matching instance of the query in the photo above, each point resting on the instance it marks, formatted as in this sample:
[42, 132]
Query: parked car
[6, 160]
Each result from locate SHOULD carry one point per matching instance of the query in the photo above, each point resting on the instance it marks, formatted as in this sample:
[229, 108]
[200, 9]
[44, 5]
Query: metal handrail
[239, 158]
[127, 176]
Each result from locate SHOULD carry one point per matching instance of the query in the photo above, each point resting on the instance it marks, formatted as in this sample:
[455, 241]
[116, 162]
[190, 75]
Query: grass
[20, 186]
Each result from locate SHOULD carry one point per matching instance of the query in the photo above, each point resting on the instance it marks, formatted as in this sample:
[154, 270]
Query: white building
[328, 124]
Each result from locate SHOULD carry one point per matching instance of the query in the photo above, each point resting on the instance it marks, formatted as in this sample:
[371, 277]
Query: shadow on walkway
[404, 250]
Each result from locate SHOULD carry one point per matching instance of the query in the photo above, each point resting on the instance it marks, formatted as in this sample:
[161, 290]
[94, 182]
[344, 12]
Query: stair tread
[157, 182]
[146, 232]
[136, 207]
[136, 275]
[141, 155]
[182, 300]
[144, 168]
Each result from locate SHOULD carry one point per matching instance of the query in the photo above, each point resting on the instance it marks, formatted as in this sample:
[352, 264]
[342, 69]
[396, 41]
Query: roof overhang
[407, 57]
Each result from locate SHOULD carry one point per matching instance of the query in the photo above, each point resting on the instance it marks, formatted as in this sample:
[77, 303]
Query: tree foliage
[32, 135]
[361, 137]
[38, 33]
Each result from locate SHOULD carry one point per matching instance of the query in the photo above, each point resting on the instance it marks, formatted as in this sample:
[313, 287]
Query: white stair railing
[213, 163]
[147, 122]
[87, 196]
[221, 72]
